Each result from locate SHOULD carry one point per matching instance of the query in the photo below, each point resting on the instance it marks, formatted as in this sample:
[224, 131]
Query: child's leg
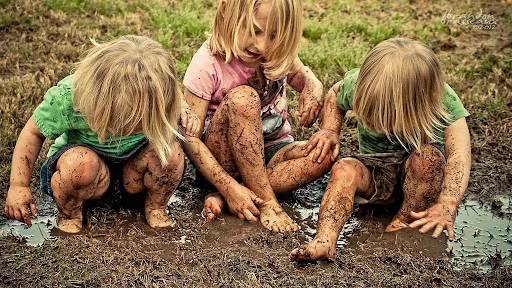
[145, 172]
[348, 177]
[80, 175]
[235, 138]
[423, 179]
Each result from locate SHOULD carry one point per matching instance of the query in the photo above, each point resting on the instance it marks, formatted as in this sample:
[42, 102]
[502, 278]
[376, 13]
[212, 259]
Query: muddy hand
[321, 144]
[309, 107]
[17, 202]
[242, 203]
[190, 122]
[440, 216]
[274, 218]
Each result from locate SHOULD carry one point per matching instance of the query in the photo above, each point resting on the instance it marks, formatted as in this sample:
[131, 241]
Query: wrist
[451, 204]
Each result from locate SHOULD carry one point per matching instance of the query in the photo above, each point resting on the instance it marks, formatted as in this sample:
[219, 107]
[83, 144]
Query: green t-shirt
[370, 141]
[56, 119]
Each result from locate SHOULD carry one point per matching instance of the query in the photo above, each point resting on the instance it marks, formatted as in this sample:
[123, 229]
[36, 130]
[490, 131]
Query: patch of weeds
[381, 33]
[101, 7]
[313, 31]
[4, 3]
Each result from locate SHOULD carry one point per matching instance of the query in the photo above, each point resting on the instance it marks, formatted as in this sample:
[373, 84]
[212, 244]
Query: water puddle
[482, 230]
[33, 236]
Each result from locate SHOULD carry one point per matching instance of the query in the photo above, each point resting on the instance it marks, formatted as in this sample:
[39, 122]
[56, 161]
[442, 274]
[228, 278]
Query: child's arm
[327, 139]
[25, 154]
[189, 120]
[455, 181]
[240, 199]
[303, 80]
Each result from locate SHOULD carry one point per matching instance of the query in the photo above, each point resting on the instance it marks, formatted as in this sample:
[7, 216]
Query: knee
[244, 100]
[173, 161]
[80, 166]
[346, 169]
[425, 165]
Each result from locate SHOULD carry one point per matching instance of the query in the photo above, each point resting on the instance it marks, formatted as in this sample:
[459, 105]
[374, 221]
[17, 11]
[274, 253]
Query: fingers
[33, 208]
[26, 217]
[336, 152]
[418, 223]
[249, 216]
[325, 150]
[439, 229]
[311, 145]
[427, 227]
[318, 151]
[449, 228]
[419, 215]
[257, 200]
[253, 210]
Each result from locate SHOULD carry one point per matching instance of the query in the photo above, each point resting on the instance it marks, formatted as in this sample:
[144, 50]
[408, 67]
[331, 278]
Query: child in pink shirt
[236, 85]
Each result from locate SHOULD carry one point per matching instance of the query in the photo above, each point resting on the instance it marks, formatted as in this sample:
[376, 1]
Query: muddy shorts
[114, 163]
[387, 176]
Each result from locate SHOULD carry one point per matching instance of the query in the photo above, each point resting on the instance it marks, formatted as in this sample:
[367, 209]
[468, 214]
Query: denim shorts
[114, 163]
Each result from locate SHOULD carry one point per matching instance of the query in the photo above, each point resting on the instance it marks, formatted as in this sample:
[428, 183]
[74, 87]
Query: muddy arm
[303, 80]
[458, 154]
[24, 156]
[331, 117]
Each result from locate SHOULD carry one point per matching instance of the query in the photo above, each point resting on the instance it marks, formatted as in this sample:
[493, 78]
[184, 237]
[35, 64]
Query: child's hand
[190, 122]
[441, 216]
[18, 199]
[241, 202]
[310, 105]
[322, 142]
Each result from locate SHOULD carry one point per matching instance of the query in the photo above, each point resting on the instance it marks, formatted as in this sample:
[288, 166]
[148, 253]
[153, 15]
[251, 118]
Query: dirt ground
[118, 249]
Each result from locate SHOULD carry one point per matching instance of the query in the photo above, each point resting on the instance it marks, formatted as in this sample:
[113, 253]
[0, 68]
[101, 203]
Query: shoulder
[345, 95]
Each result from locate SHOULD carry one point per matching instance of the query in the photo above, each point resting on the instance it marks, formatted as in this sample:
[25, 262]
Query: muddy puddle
[482, 229]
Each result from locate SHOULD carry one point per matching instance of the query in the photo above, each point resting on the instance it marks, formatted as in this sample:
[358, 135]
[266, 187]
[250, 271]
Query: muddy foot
[213, 205]
[158, 218]
[274, 218]
[398, 223]
[68, 225]
[317, 249]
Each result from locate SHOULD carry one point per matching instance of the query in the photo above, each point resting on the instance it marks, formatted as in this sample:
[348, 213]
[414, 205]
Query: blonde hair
[235, 20]
[399, 91]
[127, 84]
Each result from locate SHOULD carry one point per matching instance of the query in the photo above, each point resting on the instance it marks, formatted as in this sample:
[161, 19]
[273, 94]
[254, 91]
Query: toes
[293, 254]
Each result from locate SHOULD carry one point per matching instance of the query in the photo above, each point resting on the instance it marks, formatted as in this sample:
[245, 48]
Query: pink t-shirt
[210, 77]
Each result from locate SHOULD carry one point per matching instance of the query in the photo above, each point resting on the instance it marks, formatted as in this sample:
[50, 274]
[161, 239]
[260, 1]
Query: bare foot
[317, 249]
[398, 223]
[213, 205]
[274, 218]
[69, 225]
[158, 218]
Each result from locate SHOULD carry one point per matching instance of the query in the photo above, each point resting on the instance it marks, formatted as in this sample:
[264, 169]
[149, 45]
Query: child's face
[256, 46]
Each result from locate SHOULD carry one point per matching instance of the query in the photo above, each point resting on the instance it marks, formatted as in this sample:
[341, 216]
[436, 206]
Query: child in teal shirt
[115, 123]
[408, 120]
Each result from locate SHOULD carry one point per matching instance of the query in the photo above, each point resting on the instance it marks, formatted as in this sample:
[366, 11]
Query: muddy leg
[289, 169]
[145, 172]
[240, 148]
[80, 175]
[348, 176]
[423, 179]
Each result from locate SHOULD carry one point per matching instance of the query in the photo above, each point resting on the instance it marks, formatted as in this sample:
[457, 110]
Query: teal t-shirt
[371, 141]
[56, 119]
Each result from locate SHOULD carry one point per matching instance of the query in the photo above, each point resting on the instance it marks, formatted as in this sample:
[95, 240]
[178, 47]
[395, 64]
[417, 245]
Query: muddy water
[482, 232]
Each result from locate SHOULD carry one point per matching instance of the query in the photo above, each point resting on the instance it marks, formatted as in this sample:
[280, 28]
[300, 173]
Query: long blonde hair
[399, 92]
[235, 20]
[127, 84]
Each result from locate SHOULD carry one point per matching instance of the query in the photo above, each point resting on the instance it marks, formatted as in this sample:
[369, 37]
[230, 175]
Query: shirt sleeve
[345, 96]
[453, 104]
[201, 77]
[51, 116]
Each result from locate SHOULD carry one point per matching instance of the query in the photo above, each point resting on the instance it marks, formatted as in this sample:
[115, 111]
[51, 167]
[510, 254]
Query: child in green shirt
[406, 116]
[115, 124]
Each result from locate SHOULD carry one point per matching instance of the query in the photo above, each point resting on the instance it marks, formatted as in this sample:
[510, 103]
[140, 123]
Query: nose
[260, 43]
